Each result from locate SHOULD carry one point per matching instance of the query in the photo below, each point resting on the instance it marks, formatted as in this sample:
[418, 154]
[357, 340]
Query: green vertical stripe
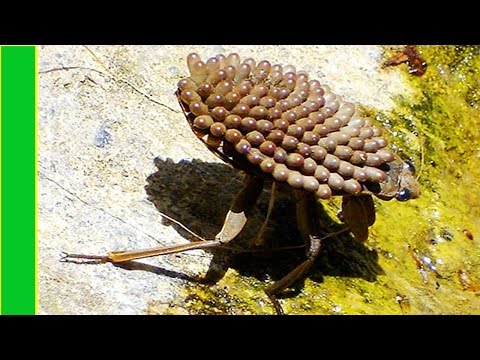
[18, 180]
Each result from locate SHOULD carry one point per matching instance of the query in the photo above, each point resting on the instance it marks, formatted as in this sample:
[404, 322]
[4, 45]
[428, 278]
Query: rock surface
[105, 114]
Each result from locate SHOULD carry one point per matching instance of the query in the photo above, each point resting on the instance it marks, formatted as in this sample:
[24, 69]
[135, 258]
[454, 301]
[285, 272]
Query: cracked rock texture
[108, 122]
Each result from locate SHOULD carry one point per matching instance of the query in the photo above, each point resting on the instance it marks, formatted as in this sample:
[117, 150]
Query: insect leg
[358, 213]
[258, 239]
[234, 223]
[242, 204]
[307, 220]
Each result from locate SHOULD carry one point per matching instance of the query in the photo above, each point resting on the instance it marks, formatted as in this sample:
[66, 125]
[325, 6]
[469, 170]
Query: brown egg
[366, 133]
[203, 122]
[214, 100]
[335, 181]
[352, 186]
[274, 113]
[343, 152]
[281, 172]
[289, 142]
[241, 110]
[359, 174]
[371, 145]
[243, 70]
[198, 108]
[374, 174]
[351, 131]
[309, 166]
[248, 124]
[189, 96]
[233, 121]
[328, 143]
[374, 160]
[268, 165]
[198, 71]
[224, 87]
[276, 136]
[295, 179]
[255, 156]
[331, 162]
[321, 129]
[387, 155]
[258, 112]
[294, 160]
[318, 153]
[219, 113]
[310, 183]
[340, 137]
[267, 101]
[358, 157]
[381, 142]
[243, 147]
[296, 131]
[303, 149]
[306, 123]
[281, 124]
[259, 90]
[185, 84]
[324, 192]
[218, 129]
[355, 143]
[280, 155]
[233, 136]
[255, 138]
[310, 138]
[321, 173]
[268, 148]
[346, 169]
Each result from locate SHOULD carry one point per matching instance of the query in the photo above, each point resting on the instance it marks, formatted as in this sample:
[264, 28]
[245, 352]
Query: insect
[277, 126]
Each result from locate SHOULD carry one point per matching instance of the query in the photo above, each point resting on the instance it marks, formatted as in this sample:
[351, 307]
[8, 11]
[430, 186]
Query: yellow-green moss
[439, 130]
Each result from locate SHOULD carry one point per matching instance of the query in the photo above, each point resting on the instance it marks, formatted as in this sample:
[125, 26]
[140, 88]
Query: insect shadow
[198, 194]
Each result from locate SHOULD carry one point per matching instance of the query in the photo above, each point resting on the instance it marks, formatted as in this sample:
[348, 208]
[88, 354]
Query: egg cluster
[293, 128]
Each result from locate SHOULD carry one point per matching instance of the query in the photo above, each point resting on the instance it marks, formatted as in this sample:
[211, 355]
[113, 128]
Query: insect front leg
[358, 212]
[239, 211]
[234, 223]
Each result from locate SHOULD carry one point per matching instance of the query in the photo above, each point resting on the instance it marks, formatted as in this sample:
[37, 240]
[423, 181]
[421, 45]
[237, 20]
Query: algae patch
[438, 129]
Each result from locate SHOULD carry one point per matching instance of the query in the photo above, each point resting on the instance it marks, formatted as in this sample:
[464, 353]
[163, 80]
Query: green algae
[416, 250]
